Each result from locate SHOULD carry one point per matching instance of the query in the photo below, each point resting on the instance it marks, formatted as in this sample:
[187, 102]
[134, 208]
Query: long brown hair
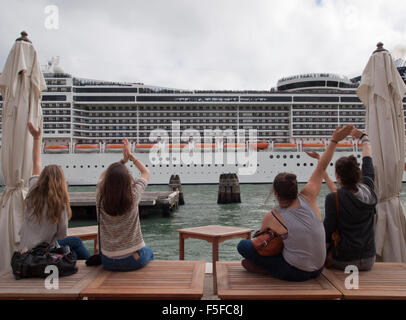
[50, 189]
[116, 196]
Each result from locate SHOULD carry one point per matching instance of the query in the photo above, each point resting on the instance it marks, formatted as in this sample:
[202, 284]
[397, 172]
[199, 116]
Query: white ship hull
[85, 169]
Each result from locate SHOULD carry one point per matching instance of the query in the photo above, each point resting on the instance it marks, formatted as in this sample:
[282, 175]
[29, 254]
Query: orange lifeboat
[313, 146]
[260, 145]
[285, 147]
[56, 148]
[118, 147]
[177, 146]
[86, 148]
[205, 146]
[345, 146]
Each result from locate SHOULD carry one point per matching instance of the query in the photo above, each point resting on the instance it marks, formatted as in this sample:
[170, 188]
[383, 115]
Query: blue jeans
[129, 263]
[276, 266]
[78, 249]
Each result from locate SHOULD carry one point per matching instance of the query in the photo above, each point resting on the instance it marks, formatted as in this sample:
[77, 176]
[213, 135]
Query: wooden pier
[165, 202]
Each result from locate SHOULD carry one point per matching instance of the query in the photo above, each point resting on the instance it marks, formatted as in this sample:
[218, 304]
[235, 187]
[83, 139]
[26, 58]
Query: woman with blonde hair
[47, 208]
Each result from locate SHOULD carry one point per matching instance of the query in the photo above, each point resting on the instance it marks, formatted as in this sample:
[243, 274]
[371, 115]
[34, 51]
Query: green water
[201, 209]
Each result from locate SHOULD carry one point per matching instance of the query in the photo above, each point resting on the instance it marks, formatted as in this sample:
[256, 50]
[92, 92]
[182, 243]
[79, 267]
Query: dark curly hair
[285, 186]
[349, 172]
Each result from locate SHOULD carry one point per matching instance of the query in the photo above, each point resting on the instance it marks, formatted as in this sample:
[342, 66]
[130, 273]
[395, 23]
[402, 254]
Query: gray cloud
[227, 44]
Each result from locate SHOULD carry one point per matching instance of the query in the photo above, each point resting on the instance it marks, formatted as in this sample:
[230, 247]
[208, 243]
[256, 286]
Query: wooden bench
[383, 281]
[85, 233]
[235, 283]
[157, 280]
[34, 288]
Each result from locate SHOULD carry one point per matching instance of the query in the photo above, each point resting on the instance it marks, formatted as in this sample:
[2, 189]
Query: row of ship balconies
[56, 106]
[146, 136]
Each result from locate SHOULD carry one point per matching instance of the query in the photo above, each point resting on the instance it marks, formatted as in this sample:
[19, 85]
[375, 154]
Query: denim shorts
[129, 263]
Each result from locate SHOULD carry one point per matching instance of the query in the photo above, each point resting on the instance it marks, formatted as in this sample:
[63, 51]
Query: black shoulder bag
[32, 264]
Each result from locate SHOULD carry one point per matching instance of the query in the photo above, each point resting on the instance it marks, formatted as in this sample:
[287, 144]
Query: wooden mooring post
[229, 189]
[175, 185]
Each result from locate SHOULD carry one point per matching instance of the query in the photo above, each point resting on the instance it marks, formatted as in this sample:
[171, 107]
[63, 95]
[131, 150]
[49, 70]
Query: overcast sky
[206, 44]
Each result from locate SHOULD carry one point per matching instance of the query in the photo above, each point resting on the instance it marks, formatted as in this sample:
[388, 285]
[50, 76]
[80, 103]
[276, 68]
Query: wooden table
[214, 234]
[34, 288]
[384, 281]
[236, 283]
[159, 279]
[85, 233]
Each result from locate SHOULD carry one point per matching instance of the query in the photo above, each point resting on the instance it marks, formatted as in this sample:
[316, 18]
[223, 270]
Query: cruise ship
[196, 134]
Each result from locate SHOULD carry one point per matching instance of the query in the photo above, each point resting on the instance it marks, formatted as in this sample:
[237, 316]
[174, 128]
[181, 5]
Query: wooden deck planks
[234, 282]
[34, 288]
[383, 281]
[158, 280]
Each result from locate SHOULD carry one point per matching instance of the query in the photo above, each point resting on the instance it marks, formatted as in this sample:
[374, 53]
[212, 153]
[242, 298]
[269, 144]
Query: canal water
[201, 209]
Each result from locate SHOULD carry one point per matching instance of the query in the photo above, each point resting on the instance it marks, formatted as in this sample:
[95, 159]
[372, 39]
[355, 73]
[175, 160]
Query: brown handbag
[335, 236]
[267, 242]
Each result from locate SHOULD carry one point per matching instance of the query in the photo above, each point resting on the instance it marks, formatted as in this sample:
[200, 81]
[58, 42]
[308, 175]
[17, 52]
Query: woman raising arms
[118, 195]
[304, 251]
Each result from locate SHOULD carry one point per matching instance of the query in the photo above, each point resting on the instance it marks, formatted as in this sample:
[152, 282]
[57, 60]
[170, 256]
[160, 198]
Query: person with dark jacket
[356, 210]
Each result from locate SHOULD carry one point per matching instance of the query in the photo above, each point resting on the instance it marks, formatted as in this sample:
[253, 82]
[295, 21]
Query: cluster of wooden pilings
[229, 189]
[175, 185]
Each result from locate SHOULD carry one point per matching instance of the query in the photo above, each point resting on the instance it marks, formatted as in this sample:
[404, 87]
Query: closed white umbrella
[21, 83]
[381, 91]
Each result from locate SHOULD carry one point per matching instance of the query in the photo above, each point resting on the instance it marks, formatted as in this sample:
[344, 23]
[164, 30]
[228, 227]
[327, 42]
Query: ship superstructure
[84, 121]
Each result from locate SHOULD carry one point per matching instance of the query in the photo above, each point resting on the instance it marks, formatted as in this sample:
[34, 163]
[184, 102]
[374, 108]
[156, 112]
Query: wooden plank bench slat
[157, 280]
[235, 283]
[383, 281]
[34, 288]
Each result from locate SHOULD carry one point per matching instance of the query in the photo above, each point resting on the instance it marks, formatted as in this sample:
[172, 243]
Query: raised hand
[36, 133]
[341, 133]
[126, 150]
[313, 154]
[356, 133]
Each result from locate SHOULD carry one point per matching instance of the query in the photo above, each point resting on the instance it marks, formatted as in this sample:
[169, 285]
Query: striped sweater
[121, 236]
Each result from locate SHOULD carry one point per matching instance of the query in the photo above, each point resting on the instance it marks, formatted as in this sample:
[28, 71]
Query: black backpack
[32, 264]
